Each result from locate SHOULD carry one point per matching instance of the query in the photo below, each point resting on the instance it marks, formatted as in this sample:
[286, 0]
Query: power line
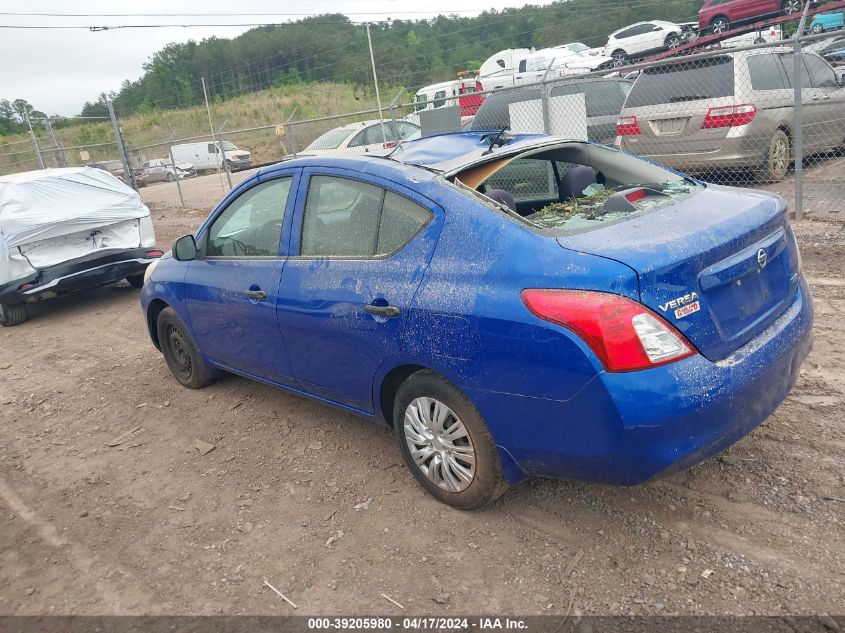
[227, 15]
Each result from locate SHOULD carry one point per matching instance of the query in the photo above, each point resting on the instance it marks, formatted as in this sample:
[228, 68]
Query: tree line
[331, 47]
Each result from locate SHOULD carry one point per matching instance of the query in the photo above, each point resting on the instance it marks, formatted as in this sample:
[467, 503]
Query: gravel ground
[108, 506]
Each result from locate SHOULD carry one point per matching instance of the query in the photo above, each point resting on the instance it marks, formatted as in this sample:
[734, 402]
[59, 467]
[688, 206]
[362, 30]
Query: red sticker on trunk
[680, 313]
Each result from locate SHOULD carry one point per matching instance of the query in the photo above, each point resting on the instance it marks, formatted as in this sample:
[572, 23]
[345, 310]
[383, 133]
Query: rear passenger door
[359, 248]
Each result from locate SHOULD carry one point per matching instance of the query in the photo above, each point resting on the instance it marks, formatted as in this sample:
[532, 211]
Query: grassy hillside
[257, 109]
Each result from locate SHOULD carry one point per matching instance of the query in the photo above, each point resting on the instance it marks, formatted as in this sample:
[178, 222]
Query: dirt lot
[150, 525]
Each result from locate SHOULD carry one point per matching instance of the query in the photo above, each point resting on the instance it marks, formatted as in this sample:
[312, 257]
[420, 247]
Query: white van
[208, 156]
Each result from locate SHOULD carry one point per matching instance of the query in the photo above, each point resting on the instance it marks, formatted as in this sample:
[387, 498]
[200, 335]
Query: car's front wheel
[171, 177]
[180, 352]
[720, 24]
[446, 444]
[12, 313]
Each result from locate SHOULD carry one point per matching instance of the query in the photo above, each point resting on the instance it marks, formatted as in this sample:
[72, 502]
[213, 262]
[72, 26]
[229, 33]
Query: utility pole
[798, 125]
[128, 177]
[375, 81]
[218, 149]
[58, 151]
[34, 143]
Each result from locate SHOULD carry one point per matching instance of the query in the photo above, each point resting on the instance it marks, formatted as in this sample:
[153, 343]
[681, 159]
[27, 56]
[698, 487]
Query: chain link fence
[769, 115]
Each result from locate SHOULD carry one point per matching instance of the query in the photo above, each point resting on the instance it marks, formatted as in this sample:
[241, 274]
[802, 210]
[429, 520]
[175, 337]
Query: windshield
[577, 47]
[330, 140]
[227, 146]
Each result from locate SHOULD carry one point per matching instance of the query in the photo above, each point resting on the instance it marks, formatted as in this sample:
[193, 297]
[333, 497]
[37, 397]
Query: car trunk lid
[720, 266]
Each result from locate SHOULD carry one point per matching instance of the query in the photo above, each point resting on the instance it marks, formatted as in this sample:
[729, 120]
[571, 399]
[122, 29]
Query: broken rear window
[575, 187]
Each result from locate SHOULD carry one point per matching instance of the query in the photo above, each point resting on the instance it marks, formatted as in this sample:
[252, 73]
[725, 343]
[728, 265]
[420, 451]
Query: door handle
[259, 295]
[385, 311]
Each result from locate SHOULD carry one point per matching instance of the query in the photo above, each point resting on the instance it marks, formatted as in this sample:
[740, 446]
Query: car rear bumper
[627, 428]
[86, 272]
[733, 153]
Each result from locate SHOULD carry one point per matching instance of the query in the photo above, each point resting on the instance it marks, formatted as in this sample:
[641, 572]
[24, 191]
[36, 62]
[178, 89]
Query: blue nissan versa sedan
[510, 305]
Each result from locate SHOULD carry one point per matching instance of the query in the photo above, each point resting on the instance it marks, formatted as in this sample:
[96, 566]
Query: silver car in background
[161, 170]
[732, 112]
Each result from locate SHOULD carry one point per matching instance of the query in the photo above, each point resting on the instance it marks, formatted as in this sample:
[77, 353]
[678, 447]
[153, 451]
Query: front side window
[439, 98]
[351, 219]
[251, 226]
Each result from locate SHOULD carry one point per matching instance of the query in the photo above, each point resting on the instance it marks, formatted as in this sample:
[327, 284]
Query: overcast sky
[58, 70]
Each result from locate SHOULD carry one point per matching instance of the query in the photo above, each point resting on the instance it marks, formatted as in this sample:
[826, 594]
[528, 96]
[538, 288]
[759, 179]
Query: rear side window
[789, 67]
[352, 219]
[767, 72]
[679, 83]
[821, 74]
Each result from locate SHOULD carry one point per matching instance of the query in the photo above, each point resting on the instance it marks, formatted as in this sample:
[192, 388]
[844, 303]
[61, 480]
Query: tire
[227, 165]
[620, 58]
[136, 281]
[673, 41]
[788, 7]
[180, 352]
[171, 177]
[12, 314]
[461, 484]
[777, 159]
[720, 24]
[817, 28]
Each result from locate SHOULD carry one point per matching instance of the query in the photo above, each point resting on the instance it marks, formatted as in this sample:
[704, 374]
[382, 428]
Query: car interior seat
[502, 197]
[574, 182]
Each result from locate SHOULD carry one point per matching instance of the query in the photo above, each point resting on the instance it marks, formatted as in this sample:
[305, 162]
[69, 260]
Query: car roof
[422, 158]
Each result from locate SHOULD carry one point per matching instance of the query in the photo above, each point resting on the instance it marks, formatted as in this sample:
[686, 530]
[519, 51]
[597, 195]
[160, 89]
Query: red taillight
[25, 286]
[729, 116]
[389, 144]
[155, 253]
[627, 126]
[624, 334]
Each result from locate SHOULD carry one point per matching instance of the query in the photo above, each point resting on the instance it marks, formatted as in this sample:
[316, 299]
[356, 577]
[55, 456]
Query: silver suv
[732, 112]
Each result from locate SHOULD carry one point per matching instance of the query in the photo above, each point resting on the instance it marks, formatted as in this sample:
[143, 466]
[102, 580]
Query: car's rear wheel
[620, 58]
[136, 281]
[12, 313]
[778, 158]
[446, 444]
[673, 41]
[180, 352]
[790, 6]
[720, 24]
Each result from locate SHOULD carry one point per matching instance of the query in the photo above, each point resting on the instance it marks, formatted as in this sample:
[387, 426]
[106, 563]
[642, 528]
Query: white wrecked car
[63, 230]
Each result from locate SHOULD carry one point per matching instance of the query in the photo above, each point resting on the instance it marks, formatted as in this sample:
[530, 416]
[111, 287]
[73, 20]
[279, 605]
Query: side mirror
[185, 248]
